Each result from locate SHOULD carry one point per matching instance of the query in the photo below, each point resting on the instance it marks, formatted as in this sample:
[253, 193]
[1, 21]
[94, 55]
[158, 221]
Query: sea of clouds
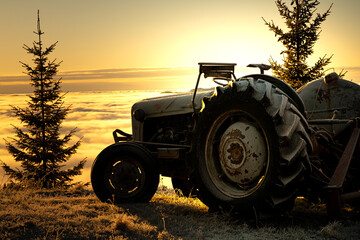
[95, 115]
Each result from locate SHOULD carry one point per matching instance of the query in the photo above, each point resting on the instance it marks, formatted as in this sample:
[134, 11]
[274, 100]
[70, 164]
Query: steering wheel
[222, 81]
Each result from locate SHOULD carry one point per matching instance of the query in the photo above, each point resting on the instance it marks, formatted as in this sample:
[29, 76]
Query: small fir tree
[40, 148]
[304, 31]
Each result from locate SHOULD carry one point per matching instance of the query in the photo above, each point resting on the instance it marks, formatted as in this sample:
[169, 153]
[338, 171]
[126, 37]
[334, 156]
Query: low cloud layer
[105, 79]
[95, 115]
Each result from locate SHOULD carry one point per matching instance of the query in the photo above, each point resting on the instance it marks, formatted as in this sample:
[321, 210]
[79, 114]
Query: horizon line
[136, 72]
[118, 79]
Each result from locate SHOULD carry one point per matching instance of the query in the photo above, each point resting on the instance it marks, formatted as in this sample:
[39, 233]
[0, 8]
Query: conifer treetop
[303, 30]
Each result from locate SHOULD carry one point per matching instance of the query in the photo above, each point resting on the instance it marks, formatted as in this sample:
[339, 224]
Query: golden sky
[158, 43]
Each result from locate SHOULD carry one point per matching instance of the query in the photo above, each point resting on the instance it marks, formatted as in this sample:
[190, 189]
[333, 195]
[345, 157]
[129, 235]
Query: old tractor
[251, 145]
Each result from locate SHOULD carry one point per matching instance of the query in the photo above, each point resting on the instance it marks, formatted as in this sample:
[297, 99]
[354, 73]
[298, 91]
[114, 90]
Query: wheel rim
[236, 154]
[124, 177]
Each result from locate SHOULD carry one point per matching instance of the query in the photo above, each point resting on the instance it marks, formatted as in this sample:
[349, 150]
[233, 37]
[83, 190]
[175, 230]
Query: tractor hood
[168, 105]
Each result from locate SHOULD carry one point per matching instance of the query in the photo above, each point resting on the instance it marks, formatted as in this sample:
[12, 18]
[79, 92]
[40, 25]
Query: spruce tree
[40, 148]
[299, 40]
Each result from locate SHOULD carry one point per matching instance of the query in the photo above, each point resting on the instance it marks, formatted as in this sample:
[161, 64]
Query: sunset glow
[115, 53]
[101, 36]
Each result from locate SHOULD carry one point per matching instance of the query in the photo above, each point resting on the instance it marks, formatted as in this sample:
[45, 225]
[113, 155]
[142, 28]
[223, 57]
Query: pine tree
[40, 148]
[304, 31]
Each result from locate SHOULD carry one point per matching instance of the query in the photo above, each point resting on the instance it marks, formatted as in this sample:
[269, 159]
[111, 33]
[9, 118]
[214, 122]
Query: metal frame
[214, 70]
[335, 199]
[262, 67]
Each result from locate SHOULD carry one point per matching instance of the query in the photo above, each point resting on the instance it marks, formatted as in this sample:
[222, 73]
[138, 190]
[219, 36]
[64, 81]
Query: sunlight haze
[104, 35]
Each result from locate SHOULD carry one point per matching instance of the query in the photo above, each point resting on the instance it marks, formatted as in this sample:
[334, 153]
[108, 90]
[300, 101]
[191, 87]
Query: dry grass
[78, 214]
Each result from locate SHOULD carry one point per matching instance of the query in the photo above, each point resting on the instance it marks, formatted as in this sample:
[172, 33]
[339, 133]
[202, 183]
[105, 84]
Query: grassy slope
[80, 215]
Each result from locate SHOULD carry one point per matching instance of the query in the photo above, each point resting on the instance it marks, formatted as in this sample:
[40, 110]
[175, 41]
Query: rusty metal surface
[333, 206]
[335, 201]
[242, 153]
[123, 136]
[337, 100]
[350, 197]
[334, 198]
[338, 177]
[328, 121]
[225, 70]
[168, 153]
[172, 104]
[163, 144]
[166, 106]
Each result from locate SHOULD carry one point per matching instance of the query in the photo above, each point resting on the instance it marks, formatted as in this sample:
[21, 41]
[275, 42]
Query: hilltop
[78, 214]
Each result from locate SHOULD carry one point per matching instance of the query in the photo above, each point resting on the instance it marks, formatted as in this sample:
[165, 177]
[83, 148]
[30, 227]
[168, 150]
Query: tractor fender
[337, 100]
[283, 86]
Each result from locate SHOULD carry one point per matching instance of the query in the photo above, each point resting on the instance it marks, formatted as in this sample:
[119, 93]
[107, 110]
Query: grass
[78, 214]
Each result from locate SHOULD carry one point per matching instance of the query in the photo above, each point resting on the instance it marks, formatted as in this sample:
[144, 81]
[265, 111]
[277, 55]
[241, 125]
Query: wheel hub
[242, 153]
[125, 177]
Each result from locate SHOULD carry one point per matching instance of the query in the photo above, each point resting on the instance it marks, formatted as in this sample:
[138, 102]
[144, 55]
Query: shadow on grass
[80, 215]
[188, 218]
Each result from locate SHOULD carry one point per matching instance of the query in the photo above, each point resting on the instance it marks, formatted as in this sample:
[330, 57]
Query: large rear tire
[250, 150]
[124, 172]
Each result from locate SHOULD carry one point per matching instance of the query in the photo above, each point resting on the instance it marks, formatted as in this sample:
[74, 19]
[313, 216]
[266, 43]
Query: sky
[141, 44]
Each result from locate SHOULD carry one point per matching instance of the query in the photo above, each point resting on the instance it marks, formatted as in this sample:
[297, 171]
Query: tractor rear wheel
[250, 150]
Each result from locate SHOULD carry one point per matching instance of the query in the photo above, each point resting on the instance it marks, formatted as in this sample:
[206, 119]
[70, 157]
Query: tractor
[250, 146]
